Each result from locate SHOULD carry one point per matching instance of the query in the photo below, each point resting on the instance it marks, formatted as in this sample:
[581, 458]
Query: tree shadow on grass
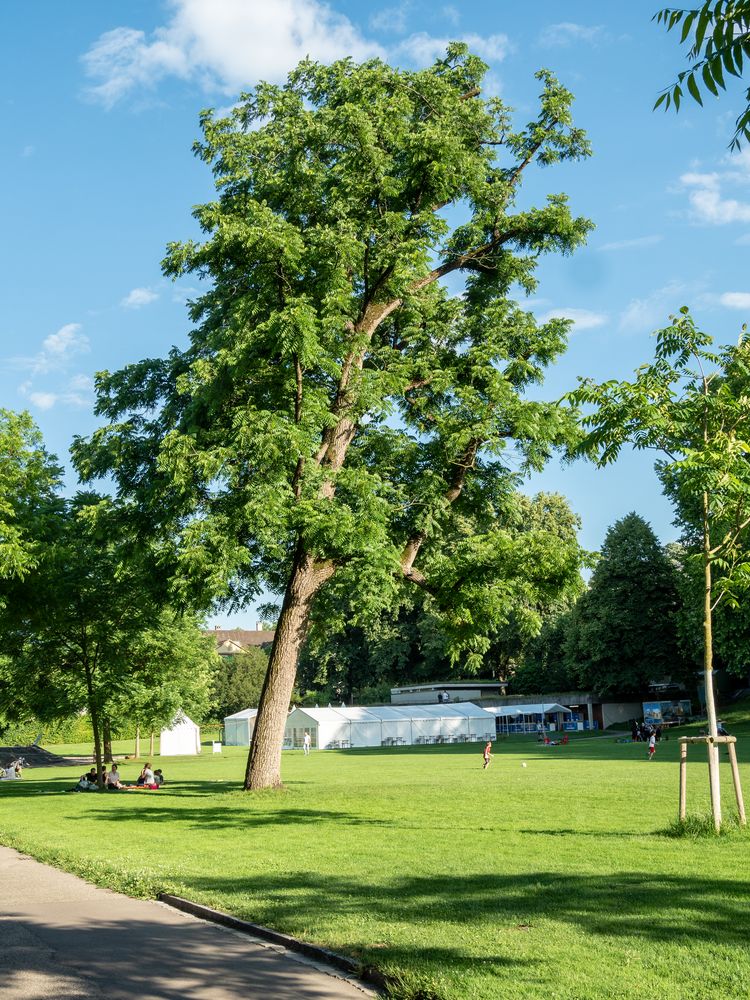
[225, 817]
[658, 908]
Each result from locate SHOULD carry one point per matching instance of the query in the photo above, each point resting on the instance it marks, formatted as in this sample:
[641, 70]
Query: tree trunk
[107, 738]
[264, 760]
[151, 745]
[137, 742]
[708, 669]
[95, 725]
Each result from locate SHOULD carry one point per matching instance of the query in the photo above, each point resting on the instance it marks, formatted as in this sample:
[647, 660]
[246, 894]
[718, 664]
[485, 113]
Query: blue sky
[100, 106]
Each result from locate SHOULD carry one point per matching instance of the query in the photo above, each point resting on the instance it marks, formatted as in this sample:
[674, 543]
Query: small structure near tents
[181, 739]
[388, 725]
[238, 728]
[529, 718]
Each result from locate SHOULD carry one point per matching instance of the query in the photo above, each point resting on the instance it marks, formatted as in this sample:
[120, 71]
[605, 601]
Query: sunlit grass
[554, 880]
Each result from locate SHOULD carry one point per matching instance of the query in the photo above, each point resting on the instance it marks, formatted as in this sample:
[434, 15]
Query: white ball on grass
[523, 763]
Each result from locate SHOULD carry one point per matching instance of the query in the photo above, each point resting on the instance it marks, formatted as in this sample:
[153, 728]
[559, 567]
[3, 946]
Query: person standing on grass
[306, 741]
[487, 754]
[651, 746]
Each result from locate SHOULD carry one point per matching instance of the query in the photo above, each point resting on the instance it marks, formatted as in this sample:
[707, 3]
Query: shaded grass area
[553, 880]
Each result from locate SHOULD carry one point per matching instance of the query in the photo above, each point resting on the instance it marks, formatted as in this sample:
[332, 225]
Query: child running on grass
[487, 754]
[651, 746]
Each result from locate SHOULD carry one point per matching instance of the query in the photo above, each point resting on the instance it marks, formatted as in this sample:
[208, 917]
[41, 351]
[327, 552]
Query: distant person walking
[487, 754]
[306, 742]
[651, 746]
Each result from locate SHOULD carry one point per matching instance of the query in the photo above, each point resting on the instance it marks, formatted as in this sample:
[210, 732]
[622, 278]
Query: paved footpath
[63, 939]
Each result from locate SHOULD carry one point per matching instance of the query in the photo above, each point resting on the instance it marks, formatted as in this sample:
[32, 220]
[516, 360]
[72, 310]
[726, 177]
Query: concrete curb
[312, 951]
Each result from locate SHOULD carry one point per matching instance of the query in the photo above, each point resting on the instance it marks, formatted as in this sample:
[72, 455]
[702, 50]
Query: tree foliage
[238, 682]
[622, 633]
[85, 630]
[718, 36]
[340, 422]
[29, 478]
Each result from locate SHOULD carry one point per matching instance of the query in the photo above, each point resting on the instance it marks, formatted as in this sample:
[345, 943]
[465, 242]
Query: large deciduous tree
[692, 405]
[339, 419]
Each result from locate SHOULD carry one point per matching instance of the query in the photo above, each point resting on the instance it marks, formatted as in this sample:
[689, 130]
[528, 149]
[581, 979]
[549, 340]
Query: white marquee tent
[387, 725]
[183, 737]
[238, 728]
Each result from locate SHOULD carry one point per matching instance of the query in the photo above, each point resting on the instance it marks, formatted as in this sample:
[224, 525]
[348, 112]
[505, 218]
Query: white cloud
[138, 298]
[391, 19]
[224, 45]
[743, 241]
[583, 319]
[451, 14]
[735, 300]
[654, 310]
[423, 48]
[567, 33]
[639, 241]
[43, 400]
[706, 192]
[57, 350]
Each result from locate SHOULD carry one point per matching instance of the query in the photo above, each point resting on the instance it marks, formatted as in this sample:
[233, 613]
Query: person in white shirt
[113, 779]
[306, 743]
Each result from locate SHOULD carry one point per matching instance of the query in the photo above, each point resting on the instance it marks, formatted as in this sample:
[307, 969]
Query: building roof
[246, 713]
[378, 713]
[535, 709]
[233, 640]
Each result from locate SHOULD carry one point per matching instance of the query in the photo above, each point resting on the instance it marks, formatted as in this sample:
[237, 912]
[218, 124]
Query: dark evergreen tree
[623, 633]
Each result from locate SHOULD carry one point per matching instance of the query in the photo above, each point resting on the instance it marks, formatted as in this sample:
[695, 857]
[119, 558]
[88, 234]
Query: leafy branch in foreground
[718, 34]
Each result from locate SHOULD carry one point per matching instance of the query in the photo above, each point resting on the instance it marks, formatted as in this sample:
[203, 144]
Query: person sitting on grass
[146, 778]
[113, 782]
[158, 776]
[87, 782]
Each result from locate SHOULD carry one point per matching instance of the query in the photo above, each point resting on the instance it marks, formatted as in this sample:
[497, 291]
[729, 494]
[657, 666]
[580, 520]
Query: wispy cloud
[76, 392]
[735, 300]
[634, 244]
[654, 309]
[58, 349]
[138, 298]
[583, 319]
[224, 45]
[568, 33]
[391, 19]
[423, 48]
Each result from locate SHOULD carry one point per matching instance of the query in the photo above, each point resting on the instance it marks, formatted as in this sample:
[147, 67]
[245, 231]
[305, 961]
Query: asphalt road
[63, 939]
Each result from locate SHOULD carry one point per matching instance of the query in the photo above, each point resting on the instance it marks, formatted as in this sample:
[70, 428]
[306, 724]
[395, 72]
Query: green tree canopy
[238, 682]
[623, 631]
[29, 480]
[340, 420]
[86, 630]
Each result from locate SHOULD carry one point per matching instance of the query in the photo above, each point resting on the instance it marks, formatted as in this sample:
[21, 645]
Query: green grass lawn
[554, 880]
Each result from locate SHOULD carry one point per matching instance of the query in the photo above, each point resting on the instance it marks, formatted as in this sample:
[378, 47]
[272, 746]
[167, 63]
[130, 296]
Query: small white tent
[238, 728]
[183, 737]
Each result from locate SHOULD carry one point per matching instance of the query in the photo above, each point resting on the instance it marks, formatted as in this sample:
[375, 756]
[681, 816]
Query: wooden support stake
[737, 785]
[683, 782]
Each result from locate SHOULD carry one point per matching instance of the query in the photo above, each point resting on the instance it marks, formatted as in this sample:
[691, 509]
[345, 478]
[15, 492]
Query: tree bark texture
[107, 738]
[264, 760]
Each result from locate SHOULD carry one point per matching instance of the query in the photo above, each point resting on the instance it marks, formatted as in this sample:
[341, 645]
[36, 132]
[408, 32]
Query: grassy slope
[550, 881]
